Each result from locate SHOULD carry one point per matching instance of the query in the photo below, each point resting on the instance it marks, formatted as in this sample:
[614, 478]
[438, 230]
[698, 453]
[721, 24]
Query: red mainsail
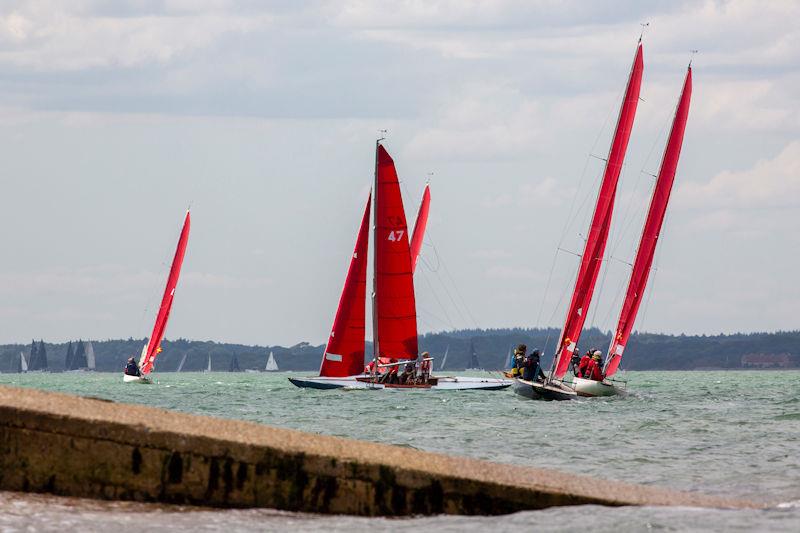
[419, 227]
[344, 354]
[652, 228]
[395, 307]
[592, 257]
[153, 347]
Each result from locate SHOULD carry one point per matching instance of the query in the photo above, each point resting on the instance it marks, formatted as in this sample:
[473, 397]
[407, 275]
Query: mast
[375, 348]
[594, 248]
[651, 230]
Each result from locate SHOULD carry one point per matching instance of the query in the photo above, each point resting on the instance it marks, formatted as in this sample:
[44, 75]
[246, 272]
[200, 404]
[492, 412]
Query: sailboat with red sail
[152, 348]
[394, 323]
[594, 247]
[646, 251]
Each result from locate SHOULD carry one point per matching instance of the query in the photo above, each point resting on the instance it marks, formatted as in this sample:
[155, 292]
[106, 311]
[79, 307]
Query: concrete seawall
[75, 446]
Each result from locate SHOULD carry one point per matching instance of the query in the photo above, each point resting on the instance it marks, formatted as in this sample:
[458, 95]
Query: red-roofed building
[766, 360]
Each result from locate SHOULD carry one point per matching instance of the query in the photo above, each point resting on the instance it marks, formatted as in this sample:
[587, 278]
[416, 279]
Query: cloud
[548, 191]
[770, 183]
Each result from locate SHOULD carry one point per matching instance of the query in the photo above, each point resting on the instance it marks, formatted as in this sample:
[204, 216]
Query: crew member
[425, 367]
[535, 365]
[584, 363]
[575, 361]
[519, 361]
[132, 369]
[407, 377]
[593, 370]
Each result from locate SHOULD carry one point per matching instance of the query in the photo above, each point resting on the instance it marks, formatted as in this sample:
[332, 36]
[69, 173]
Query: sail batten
[594, 248]
[153, 346]
[395, 317]
[651, 230]
[344, 353]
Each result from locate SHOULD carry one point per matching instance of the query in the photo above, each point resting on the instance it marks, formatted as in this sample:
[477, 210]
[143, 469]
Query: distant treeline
[645, 351]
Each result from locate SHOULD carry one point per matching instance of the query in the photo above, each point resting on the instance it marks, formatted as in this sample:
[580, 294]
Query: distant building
[766, 360]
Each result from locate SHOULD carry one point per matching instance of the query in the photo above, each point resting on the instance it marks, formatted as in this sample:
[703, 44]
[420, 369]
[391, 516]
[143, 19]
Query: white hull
[136, 379]
[591, 388]
[443, 383]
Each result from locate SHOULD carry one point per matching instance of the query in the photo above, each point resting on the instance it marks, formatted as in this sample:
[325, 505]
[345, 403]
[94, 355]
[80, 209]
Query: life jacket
[593, 371]
[583, 366]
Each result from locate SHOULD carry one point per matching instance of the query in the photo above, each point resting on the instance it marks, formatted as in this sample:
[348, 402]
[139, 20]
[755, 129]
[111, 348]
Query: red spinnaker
[154, 344]
[592, 257]
[419, 227]
[395, 306]
[344, 354]
[652, 228]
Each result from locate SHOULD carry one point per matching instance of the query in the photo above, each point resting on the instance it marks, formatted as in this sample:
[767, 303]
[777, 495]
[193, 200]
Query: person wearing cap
[424, 367]
[593, 369]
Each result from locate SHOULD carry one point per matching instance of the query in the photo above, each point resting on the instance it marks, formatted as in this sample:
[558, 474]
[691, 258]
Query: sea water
[731, 434]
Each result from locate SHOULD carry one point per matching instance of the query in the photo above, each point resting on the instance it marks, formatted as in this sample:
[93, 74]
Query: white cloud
[770, 183]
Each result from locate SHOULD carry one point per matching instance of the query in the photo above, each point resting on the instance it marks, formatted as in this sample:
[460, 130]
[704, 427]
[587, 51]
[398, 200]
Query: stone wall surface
[69, 445]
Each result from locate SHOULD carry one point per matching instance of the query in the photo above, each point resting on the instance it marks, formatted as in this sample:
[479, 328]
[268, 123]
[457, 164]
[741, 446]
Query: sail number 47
[396, 235]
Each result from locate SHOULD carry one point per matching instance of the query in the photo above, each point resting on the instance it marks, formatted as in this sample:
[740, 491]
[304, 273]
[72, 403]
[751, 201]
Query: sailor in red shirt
[587, 357]
[593, 370]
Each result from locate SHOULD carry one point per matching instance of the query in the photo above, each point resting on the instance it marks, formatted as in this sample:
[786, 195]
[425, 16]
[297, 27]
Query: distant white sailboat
[23, 363]
[183, 362]
[444, 359]
[209, 364]
[90, 358]
[272, 365]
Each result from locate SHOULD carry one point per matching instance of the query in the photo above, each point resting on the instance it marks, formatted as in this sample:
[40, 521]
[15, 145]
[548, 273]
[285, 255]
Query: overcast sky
[116, 115]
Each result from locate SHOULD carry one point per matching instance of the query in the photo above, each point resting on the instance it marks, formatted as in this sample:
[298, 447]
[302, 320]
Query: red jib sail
[592, 257]
[419, 227]
[153, 347]
[344, 354]
[395, 306]
[652, 228]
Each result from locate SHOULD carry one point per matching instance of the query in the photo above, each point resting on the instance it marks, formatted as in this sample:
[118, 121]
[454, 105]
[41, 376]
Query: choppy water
[724, 433]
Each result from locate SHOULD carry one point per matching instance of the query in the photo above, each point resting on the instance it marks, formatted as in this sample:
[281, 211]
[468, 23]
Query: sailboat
[153, 346]
[234, 366]
[646, 251]
[474, 364]
[444, 357]
[393, 302]
[553, 387]
[91, 362]
[208, 368]
[272, 365]
[183, 362]
[23, 364]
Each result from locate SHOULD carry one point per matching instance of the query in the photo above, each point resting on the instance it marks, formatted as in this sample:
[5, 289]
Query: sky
[115, 116]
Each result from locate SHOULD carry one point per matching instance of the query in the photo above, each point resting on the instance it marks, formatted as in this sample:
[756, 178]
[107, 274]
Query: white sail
[272, 365]
[444, 359]
[23, 363]
[209, 363]
[90, 360]
[183, 361]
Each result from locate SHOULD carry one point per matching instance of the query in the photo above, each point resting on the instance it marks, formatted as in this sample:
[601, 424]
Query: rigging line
[654, 269]
[446, 270]
[428, 314]
[436, 297]
[628, 217]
